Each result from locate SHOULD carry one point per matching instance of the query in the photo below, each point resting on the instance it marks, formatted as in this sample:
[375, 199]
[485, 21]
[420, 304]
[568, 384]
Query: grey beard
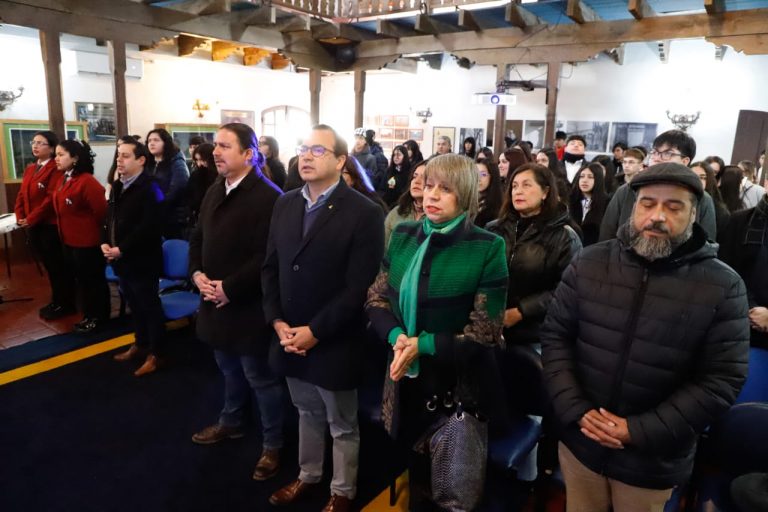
[656, 248]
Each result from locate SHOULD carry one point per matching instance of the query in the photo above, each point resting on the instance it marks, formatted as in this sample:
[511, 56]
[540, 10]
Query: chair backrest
[176, 259]
[756, 387]
[738, 439]
[522, 374]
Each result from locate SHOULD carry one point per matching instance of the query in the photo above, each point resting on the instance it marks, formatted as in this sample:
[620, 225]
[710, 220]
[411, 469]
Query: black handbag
[458, 452]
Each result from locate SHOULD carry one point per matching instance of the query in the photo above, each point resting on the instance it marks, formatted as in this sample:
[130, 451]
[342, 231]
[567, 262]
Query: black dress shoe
[87, 325]
[53, 311]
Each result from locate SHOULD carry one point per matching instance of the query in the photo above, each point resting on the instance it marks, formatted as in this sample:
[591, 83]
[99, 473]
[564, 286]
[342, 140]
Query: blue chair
[176, 297]
[109, 273]
[756, 387]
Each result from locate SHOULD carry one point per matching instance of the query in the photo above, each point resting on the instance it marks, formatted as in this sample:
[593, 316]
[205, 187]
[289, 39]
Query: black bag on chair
[458, 452]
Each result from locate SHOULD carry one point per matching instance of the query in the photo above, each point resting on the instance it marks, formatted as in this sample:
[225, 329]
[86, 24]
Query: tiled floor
[19, 321]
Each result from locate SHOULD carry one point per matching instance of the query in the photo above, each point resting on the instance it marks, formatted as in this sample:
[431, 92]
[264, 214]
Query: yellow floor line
[64, 359]
[381, 502]
[46, 365]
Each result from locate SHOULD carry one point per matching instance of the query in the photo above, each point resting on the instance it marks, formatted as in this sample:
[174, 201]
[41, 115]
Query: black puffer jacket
[663, 344]
[536, 261]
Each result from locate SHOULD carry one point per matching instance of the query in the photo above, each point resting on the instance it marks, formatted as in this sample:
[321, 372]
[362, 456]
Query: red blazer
[80, 208]
[34, 201]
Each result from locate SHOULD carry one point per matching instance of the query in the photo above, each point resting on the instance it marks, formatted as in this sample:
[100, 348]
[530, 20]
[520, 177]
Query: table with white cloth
[7, 224]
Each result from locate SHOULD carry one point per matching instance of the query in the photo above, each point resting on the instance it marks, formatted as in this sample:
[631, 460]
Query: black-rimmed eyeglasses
[317, 150]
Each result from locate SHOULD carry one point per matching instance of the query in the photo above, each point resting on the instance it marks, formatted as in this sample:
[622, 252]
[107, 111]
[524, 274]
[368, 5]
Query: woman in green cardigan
[439, 301]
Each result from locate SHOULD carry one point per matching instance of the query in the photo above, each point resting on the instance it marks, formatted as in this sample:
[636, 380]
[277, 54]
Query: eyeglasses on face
[483, 174]
[317, 150]
[34, 143]
[664, 155]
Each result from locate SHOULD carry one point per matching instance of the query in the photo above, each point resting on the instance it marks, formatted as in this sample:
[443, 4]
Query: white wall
[641, 90]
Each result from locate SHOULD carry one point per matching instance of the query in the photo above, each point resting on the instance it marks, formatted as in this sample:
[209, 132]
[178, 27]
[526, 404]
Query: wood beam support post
[49, 43]
[117, 67]
[359, 97]
[315, 77]
[553, 79]
[500, 119]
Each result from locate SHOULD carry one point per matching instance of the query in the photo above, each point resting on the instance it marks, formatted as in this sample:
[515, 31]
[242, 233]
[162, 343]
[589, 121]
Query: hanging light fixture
[8, 97]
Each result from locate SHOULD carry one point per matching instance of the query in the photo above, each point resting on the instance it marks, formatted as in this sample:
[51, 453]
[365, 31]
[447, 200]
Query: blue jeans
[246, 374]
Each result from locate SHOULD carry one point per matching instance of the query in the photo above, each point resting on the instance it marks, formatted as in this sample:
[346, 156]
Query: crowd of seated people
[594, 265]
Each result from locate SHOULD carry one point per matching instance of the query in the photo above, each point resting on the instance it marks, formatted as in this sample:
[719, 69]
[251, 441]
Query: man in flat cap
[645, 344]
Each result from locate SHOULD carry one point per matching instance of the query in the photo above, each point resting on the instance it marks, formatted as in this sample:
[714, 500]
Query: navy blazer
[321, 280]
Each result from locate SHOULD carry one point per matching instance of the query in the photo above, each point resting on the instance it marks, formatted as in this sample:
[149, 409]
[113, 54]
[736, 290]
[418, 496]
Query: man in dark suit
[326, 242]
[226, 252]
[133, 246]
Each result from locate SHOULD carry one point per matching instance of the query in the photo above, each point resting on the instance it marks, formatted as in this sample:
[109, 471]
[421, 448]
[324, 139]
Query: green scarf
[409, 287]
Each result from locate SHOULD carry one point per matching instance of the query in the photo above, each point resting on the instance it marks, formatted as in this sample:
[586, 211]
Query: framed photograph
[477, 133]
[386, 133]
[401, 135]
[101, 121]
[442, 131]
[533, 131]
[513, 128]
[15, 138]
[387, 121]
[594, 132]
[401, 121]
[416, 134]
[387, 146]
[633, 134]
[247, 117]
[181, 133]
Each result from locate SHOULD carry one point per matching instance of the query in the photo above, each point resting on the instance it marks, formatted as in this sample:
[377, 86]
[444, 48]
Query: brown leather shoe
[133, 352]
[268, 465]
[290, 493]
[215, 433]
[338, 504]
[151, 365]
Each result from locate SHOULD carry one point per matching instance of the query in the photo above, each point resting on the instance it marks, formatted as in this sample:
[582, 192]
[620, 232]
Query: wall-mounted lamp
[8, 97]
[424, 115]
[683, 121]
[200, 108]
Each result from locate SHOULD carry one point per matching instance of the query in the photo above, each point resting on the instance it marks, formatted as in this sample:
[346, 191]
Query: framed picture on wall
[416, 134]
[513, 128]
[594, 132]
[387, 145]
[101, 121]
[401, 134]
[181, 133]
[533, 131]
[633, 134]
[15, 143]
[247, 117]
[387, 120]
[476, 133]
[401, 121]
[386, 133]
[440, 131]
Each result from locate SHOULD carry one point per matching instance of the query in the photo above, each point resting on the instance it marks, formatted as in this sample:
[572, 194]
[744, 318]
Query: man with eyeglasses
[326, 242]
[671, 146]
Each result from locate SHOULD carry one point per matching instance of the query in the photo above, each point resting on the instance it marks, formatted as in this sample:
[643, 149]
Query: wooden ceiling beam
[714, 6]
[749, 45]
[391, 29]
[221, 50]
[187, 44]
[519, 16]
[580, 12]
[342, 30]
[265, 15]
[429, 25]
[467, 21]
[641, 9]
[568, 53]
[297, 23]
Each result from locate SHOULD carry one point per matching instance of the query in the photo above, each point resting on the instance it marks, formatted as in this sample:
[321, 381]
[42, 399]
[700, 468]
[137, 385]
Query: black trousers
[88, 264]
[141, 294]
[45, 243]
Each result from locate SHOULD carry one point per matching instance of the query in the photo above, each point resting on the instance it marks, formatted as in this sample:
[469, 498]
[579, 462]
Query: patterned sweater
[462, 291]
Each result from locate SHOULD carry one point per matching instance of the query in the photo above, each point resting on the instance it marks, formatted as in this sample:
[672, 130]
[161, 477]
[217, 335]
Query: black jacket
[199, 182]
[321, 280]
[229, 243]
[277, 170]
[536, 261]
[663, 344]
[132, 225]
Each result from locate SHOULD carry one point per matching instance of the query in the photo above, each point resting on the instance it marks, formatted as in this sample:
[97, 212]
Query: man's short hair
[678, 140]
[641, 149]
[621, 145]
[634, 153]
[459, 172]
[139, 149]
[340, 147]
[576, 137]
[559, 134]
[446, 139]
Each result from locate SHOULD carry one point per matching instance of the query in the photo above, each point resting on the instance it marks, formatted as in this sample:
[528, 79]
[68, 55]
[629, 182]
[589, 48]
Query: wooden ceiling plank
[390, 29]
[749, 45]
[221, 50]
[186, 45]
[265, 15]
[640, 9]
[580, 12]
[342, 30]
[568, 53]
[714, 6]
[520, 17]
[430, 25]
[467, 20]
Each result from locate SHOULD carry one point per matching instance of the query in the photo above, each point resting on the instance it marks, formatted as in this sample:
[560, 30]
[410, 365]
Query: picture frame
[401, 135]
[247, 117]
[388, 120]
[439, 131]
[533, 131]
[182, 133]
[416, 134]
[101, 119]
[477, 133]
[594, 132]
[402, 121]
[632, 134]
[387, 146]
[15, 138]
[386, 133]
